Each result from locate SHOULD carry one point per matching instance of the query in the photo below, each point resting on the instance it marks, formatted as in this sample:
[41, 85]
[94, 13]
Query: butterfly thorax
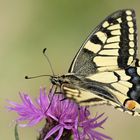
[65, 79]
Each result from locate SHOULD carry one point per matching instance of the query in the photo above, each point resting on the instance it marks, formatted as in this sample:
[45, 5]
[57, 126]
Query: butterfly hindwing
[112, 45]
[112, 88]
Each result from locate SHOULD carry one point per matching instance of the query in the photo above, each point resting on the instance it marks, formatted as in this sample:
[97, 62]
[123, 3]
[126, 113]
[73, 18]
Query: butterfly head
[59, 80]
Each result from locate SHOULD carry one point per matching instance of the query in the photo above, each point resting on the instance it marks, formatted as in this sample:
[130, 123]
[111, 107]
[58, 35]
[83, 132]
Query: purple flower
[28, 111]
[88, 127]
[62, 116]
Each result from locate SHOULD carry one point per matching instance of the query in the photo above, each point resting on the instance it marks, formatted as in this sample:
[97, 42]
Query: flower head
[88, 128]
[63, 117]
[29, 111]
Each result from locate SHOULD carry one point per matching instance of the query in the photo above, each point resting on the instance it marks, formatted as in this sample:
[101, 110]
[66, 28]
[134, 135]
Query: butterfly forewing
[112, 45]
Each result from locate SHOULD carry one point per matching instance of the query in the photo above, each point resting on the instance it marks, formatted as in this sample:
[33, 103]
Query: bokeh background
[28, 26]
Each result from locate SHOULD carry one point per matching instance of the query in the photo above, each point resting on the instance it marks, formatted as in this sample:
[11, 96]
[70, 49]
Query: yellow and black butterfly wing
[123, 85]
[111, 46]
[120, 88]
[107, 64]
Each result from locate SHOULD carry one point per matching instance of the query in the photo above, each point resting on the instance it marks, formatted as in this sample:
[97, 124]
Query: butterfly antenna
[44, 53]
[32, 77]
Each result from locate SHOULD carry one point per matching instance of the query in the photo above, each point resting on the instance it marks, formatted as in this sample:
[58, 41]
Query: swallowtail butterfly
[106, 70]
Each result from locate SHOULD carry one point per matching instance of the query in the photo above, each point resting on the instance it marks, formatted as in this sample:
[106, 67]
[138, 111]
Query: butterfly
[106, 69]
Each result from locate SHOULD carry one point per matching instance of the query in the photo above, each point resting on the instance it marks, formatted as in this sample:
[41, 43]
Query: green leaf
[16, 132]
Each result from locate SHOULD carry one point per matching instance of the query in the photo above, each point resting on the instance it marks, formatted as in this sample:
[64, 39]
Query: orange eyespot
[130, 104]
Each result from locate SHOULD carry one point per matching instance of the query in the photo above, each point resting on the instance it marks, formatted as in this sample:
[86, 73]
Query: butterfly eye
[63, 76]
[130, 104]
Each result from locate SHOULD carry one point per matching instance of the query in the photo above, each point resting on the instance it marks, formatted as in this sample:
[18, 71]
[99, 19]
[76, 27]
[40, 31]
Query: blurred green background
[28, 26]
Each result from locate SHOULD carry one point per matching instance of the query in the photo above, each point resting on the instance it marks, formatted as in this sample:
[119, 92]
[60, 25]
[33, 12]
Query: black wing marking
[112, 45]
